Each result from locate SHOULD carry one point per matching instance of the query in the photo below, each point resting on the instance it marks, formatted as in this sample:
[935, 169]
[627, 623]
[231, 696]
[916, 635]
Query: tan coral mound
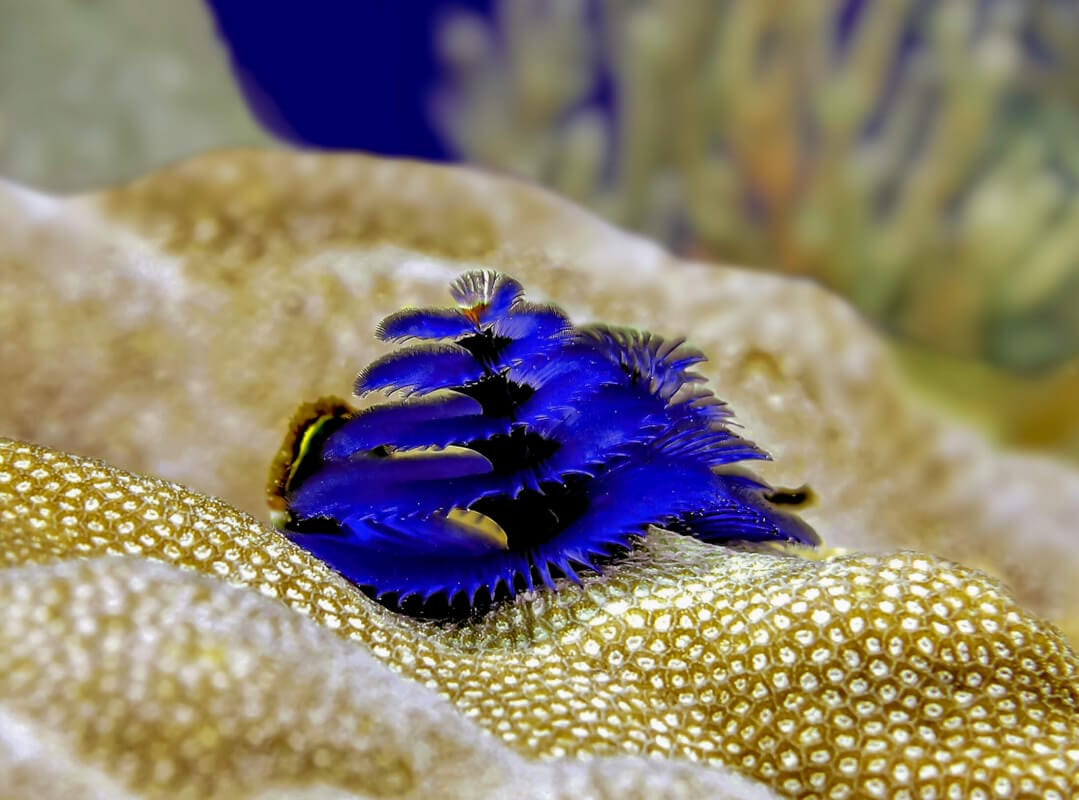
[850, 676]
[126, 678]
[172, 326]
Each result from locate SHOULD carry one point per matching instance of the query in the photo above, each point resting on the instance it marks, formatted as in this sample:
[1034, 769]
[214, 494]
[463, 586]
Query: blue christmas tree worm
[515, 448]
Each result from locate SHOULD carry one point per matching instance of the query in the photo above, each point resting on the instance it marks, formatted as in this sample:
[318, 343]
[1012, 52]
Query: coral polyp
[515, 448]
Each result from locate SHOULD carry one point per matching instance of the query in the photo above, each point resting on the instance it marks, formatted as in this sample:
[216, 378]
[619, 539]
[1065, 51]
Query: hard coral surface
[849, 676]
[172, 325]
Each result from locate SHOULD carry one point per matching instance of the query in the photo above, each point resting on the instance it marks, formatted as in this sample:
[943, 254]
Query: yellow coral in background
[848, 676]
[918, 158]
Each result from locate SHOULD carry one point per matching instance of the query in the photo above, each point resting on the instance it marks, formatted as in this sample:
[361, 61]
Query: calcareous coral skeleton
[847, 676]
[219, 660]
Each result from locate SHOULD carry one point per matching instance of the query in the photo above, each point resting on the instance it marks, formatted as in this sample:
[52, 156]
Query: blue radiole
[515, 448]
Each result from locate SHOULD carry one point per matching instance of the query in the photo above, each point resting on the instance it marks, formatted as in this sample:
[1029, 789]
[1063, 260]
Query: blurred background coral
[917, 157]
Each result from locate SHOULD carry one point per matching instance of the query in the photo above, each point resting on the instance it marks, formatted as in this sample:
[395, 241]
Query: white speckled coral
[225, 290]
[840, 677]
[171, 326]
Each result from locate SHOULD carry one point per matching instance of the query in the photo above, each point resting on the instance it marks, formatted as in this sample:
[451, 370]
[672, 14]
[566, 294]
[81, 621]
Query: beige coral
[171, 326]
[848, 676]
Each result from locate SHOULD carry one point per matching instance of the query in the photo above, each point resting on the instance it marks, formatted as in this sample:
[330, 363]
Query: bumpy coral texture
[226, 288]
[524, 448]
[851, 676]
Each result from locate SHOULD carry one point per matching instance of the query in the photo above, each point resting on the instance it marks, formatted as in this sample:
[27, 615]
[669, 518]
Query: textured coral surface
[850, 676]
[172, 325]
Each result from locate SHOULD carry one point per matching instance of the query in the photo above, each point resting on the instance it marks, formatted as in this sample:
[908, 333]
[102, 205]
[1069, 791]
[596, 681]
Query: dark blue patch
[340, 74]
